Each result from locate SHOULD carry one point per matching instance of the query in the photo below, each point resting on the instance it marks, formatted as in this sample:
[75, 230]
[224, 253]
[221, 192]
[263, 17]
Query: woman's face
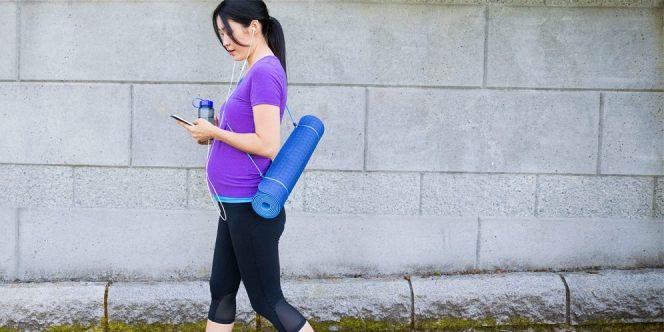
[242, 34]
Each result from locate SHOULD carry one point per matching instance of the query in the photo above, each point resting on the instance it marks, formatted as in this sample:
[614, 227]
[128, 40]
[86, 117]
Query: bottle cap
[206, 103]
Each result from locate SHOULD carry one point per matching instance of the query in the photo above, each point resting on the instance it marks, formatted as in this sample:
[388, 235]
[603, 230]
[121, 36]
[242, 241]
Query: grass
[357, 325]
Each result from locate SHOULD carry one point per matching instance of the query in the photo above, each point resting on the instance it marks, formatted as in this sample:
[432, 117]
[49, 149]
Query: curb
[635, 296]
[36, 306]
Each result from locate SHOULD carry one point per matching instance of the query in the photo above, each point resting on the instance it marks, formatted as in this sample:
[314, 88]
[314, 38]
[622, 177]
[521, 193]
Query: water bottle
[205, 109]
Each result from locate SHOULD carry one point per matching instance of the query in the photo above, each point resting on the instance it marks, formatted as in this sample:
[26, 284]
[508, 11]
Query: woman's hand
[265, 141]
[208, 142]
[202, 130]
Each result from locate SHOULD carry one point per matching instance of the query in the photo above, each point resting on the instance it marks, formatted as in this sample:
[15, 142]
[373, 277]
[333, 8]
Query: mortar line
[421, 191]
[19, 4]
[600, 134]
[73, 186]
[412, 301]
[537, 193]
[351, 171]
[131, 124]
[654, 197]
[486, 46]
[366, 126]
[348, 85]
[568, 296]
[478, 244]
[17, 245]
[105, 319]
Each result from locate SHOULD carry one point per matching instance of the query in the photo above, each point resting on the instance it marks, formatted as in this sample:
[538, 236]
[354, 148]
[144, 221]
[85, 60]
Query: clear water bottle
[205, 109]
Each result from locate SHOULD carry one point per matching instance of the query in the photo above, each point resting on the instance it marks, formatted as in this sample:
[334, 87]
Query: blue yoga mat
[287, 167]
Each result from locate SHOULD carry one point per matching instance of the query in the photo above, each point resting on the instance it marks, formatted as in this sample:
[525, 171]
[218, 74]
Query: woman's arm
[264, 142]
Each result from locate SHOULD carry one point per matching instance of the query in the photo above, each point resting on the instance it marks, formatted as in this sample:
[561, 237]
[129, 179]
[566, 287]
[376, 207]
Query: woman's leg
[256, 243]
[224, 282]
[214, 327]
[306, 328]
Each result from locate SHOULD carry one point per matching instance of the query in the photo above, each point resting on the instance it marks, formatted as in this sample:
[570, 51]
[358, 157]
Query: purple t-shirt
[230, 170]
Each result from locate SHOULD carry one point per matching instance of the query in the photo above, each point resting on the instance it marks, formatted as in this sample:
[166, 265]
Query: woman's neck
[261, 51]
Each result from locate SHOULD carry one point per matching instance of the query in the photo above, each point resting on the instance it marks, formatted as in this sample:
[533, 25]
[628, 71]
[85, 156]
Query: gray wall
[460, 135]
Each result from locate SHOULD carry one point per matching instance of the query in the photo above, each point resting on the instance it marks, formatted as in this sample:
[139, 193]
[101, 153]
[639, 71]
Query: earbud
[253, 30]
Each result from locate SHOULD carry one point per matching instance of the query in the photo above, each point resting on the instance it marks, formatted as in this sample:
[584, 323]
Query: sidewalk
[534, 297]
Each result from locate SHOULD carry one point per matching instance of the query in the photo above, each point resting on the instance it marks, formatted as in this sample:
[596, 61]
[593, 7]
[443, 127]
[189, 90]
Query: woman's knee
[262, 308]
[281, 314]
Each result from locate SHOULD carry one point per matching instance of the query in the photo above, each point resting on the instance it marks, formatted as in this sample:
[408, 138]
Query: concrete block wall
[460, 135]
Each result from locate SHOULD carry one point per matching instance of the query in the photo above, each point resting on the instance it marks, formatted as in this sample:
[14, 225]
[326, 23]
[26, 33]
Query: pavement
[572, 298]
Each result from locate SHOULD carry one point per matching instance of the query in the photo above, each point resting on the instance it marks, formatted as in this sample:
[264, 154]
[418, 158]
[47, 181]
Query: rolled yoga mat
[287, 167]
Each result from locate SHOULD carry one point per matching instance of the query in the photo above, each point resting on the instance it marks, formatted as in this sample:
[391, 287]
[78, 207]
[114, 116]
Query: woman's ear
[254, 26]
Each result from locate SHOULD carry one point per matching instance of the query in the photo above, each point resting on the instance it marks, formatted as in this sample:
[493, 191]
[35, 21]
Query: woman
[247, 245]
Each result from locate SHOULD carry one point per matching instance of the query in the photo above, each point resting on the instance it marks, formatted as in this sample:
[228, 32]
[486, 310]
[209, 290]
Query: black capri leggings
[247, 249]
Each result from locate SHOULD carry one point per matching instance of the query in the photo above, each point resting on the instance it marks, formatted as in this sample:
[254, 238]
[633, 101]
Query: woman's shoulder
[268, 66]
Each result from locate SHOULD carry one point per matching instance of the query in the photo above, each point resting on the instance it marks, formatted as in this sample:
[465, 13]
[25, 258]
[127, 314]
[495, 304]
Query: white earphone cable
[219, 206]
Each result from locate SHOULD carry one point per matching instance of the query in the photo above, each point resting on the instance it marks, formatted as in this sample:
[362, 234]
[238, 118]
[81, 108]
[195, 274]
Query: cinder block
[8, 223]
[37, 307]
[295, 201]
[404, 44]
[103, 244]
[547, 47]
[36, 186]
[9, 51]
[199, 194]
[625, 296]
[342, 110]
[595, 197]
[482, 131]
[362, 193]
[319, 245]
[375, 299]
[519, 243]
[130, 188]
[478, 194]
[537, 297]
[157, 139]
[160, 302]
[604, 3]
[633, 134]
[77, 123]
[140, 41]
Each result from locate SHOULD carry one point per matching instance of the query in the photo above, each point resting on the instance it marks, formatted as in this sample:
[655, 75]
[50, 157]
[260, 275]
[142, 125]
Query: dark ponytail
[276, 41]
[245, 11]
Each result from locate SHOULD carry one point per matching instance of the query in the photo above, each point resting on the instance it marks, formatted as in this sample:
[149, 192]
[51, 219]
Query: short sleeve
[266, 86]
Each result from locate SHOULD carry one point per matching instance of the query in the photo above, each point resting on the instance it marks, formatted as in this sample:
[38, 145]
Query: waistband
[225, 199]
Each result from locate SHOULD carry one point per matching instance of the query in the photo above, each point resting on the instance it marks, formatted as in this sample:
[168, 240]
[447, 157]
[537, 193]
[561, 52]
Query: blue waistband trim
[225, 199]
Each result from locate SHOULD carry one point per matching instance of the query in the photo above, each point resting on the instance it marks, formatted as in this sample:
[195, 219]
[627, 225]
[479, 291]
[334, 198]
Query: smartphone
[181, 119]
